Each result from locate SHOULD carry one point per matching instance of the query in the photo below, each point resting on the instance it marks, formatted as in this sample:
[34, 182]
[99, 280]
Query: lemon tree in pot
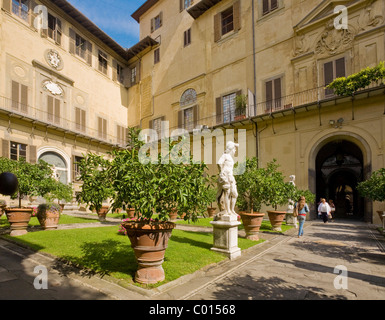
[96, 184]
[278, 192]
[154, 188]
[33, 180]
[252, 194]
[48, 215]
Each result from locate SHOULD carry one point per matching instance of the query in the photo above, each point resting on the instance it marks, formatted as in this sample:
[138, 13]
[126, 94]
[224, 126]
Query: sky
[113, 17]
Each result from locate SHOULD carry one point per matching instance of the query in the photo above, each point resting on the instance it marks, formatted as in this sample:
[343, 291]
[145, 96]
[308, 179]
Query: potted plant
[277, 193]
[374, 188]
[48, 215]
[154, 188]
[96, 187]
[61, 193]
[240, 107]
[252, 194]
[33, 180]
[212, 197]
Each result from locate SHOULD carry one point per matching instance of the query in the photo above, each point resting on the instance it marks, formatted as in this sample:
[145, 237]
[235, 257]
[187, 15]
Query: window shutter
[277, 93]
[274, 4]
[152, 25]
[269, 95]
[50, 108]
[15, 95]
[328, 72]
[340, 68]
[181, 5]
[58, 31]
[32, 14]
[151, 124]
[24, 99]
[115, 70]
[89, 53]
[72, 41]
[118, 133]
[5, 148]
[100, 127]
[196, 115]
[7, 5]
[265, 6]
[180, 119]
[83, 120]
[161, 19]
[237, 15]
[32, 154]
[217, 27]
[218, 104]
[77, 118]
[57, 111]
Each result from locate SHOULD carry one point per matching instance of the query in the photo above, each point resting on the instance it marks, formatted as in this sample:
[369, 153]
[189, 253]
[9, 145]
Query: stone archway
[339, 168]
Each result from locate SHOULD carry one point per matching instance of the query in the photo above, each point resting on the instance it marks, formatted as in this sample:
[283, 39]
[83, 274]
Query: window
[103, 62]
[332, 70]
[187, 37]
[273, 94]
[188, 116]
[119, 73]
[80, 120]
[76, 167]
[19, 97]
[102, 128]
[53, 110]
[156, 22]
[133, 76]
[228, 103]
[54, 29]
[81, 46]
[184, 4]
[156, 124]
[121, 134]
[269, 6]
[59, 165]
[21, 8]
[227, 21]
[18, 151]
[156, 56]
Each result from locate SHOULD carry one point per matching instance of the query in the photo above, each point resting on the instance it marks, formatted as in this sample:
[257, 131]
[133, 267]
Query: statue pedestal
[226, 236]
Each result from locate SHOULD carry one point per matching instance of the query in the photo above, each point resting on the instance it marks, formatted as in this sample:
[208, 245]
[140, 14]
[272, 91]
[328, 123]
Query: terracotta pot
[252, 223]
[276, 218]
[18, 219]
[51, 220]
[102, 213]
[130, 212]
[211, 211]
[173, 215]
[149, 243]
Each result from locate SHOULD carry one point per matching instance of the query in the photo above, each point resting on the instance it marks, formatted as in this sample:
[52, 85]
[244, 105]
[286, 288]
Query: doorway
[339, 168]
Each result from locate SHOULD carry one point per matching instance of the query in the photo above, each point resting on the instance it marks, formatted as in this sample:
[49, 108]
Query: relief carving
[368, 18]
[332, 40]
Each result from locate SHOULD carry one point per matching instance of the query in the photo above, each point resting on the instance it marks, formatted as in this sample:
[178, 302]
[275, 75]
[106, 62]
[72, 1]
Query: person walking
[332, 209]
[302, 208]
[324, 209]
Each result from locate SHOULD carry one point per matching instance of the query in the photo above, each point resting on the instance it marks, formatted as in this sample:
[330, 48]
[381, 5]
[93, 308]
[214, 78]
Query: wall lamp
[337, 124]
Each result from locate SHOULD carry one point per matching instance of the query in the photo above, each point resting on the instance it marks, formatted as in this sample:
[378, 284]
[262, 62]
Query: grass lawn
[104, 251]
[64, 219]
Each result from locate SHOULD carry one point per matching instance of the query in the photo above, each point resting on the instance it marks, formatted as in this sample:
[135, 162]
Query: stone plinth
[226, 236]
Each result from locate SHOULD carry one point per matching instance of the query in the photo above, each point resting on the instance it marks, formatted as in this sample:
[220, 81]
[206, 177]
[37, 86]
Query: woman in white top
[324, 209]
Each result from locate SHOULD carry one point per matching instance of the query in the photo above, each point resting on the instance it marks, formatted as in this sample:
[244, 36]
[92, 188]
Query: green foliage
[34, 179]
[60, 191]
[241, 102]
[374, 188]
[97, 184]
[157, 187]
[348, 86]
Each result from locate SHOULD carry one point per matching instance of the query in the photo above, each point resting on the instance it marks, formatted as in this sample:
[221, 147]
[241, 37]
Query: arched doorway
[58, 163]
[339, 168]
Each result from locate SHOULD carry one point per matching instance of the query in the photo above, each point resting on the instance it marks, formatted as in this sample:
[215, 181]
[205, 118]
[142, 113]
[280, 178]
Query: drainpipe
[255, 77]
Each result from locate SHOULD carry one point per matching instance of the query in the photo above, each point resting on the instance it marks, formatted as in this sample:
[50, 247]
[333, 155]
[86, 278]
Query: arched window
[188, 115]
[59, 165]
[188, 97]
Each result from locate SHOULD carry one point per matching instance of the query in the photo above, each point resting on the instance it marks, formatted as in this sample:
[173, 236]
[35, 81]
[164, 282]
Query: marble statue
[290, 219]
[227, 188]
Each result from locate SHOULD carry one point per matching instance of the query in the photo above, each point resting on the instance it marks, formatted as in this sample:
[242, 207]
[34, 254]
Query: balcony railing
[18, 110]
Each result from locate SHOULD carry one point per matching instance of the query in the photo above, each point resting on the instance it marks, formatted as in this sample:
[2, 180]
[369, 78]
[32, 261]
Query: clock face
[53, 88]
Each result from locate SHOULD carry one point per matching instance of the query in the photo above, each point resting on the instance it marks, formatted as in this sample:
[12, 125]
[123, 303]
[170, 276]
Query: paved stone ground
[283, 267]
